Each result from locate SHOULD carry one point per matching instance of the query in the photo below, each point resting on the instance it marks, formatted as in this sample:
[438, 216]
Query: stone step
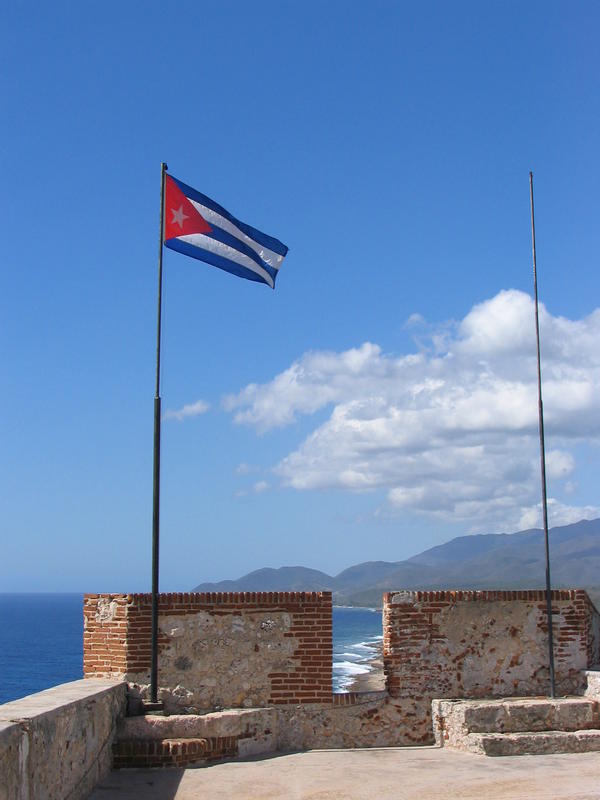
[181, 739]
[228, 722]
[533, 743]
[532, 714]
[514, 715]
[145, 753]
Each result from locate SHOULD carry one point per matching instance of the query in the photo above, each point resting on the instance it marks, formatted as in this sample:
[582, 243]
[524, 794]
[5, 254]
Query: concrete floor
[422, 773]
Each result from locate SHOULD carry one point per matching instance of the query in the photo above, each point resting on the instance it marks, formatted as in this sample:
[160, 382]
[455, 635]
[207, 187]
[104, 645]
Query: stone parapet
[274, 649]
[369, 720]
[216, 650]
[56, 744]
[470, 644]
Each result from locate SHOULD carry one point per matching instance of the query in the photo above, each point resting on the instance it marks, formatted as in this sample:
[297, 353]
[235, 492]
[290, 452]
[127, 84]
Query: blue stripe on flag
[261, 238]
[223, 236]
[218, 261]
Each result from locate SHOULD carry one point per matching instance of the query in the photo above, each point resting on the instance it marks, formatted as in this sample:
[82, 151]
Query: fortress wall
[57, 743]
[593, 636]
[216, 650]
[274, 649]
[469, 644]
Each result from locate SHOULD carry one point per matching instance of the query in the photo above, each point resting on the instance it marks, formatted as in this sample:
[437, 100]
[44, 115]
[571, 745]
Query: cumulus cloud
[558, 514]
[190, 410]
[450, 431]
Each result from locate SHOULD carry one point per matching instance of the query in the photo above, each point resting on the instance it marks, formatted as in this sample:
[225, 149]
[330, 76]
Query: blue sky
[382, 399]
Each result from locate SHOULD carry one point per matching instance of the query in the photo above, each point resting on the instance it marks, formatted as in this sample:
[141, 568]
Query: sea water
[41, 642]
[357, 637]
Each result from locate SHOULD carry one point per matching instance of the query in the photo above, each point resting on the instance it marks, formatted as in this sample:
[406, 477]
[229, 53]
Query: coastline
[374, 680]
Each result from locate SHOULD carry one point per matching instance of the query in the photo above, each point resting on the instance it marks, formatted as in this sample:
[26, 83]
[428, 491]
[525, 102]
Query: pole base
[152, 708]
[136, 707]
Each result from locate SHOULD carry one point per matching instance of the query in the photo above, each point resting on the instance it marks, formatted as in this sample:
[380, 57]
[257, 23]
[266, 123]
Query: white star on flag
[179, 216]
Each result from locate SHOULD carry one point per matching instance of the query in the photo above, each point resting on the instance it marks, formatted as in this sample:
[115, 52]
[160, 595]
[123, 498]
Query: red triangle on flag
[181, 218]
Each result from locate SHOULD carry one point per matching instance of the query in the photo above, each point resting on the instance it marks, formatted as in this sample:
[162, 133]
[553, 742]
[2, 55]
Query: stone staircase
[518, 726]
[182, 740]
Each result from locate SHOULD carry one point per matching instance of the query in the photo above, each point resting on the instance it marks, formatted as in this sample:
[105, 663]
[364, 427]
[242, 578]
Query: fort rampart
[249, 673]
[260, 649]
[474, 644]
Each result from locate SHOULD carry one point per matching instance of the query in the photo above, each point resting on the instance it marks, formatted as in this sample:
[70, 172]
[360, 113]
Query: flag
[198, 227]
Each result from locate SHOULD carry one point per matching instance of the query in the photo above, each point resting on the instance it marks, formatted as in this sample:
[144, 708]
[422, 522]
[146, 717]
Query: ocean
[41, 642]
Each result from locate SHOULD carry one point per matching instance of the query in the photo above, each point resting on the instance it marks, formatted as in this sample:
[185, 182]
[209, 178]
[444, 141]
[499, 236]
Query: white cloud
[246, 469]
[414, 321]
[559, 464]
[450, 431]
[190, 410]
[258, 488]
[558, 514]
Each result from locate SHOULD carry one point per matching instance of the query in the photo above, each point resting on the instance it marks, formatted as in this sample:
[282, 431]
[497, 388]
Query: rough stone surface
[56, 744]
[216, 650]
[231, 722]
[534, 744]
[12, 751]
[472, 644]
[219, 661]
[592, 683]
[372, 719]
[514, 715]
[518, 726]
[254, 731]
[248, 649]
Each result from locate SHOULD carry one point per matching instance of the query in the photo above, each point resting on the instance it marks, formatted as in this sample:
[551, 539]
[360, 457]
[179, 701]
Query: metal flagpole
[542, 452]
[156, 466]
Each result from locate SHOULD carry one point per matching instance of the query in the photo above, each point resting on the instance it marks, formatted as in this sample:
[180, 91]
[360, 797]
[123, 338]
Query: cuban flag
[198, 227]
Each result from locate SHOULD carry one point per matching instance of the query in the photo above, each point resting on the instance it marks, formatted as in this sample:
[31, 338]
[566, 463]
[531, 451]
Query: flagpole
[542, 452]
[156, 464]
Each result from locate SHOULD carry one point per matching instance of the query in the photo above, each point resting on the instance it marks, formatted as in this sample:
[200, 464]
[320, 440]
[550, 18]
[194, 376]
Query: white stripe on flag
[268, 256]
[225, 251]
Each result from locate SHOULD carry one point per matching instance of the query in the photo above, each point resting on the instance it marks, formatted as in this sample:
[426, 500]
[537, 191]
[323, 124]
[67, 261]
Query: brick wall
[481, 644]
[242, 650]
[215, 649]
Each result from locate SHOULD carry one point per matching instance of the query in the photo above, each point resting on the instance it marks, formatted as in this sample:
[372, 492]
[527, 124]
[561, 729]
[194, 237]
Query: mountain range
[482, 561]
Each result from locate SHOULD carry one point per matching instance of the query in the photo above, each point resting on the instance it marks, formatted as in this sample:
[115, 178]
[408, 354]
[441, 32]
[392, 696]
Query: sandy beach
[373, 681]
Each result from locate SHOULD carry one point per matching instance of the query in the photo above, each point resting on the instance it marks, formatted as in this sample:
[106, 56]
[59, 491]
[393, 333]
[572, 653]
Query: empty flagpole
[156, 465]
[542, 451]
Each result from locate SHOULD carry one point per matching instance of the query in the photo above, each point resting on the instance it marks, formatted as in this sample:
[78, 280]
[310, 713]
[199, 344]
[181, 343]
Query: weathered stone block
[57, 743]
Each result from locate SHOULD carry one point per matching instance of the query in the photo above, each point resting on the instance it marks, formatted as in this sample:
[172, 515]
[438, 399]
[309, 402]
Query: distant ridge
[482, 561]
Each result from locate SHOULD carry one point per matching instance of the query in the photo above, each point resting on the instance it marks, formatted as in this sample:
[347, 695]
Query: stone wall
[216, 650]
[56, 744]
[593, 636]
[474, 644]
[368, 719]
[249, 650]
